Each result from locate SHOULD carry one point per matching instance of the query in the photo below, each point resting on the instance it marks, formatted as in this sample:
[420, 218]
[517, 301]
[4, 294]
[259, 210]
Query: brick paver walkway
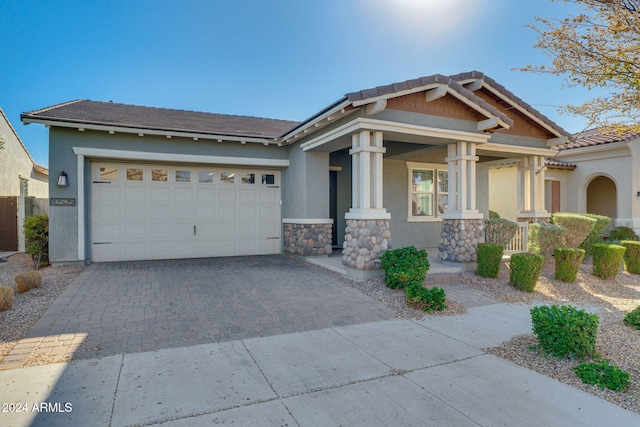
[126, 307]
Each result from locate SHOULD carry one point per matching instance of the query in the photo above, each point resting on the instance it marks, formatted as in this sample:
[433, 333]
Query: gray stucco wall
[63, 233]
[305, 192]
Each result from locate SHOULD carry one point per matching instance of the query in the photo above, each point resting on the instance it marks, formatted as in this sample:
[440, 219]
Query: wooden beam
[488, 124]
[436, 93]
[376, 107]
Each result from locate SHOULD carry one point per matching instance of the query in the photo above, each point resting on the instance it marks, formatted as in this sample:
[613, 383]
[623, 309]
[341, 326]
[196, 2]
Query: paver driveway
[127, 307]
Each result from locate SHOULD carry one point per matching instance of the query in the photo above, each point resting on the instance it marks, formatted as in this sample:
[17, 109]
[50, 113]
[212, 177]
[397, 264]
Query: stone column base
[308, 239]
[364, 241]
[459, 239]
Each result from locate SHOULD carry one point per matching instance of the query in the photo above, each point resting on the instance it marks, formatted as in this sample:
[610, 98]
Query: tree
[599, 47]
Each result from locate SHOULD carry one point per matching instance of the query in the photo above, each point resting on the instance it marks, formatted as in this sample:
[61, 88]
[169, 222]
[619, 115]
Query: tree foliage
[598, 47]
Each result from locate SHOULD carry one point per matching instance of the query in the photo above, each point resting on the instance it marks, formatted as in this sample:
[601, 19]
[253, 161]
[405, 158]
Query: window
[248, 178]
[159, 175]
[268, 179]
[183, 176]
[205, 177]
[428, 191]
[227, 177]
[135, 174]
[109, 174]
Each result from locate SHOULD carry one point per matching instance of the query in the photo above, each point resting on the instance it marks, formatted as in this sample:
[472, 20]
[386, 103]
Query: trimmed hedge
[607, 260]
[623, 233]
[565, 331]
[545, 238]
[525, 270]
[578, 227]
[500, 231]
[631, 256]
[489, 259]
[404, 266]
[632, 318]
[36, 237]
[568, 262]
[426, 299]
[602, 222]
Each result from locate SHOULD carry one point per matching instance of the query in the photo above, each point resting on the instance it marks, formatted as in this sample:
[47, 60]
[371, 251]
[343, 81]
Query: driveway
[128, 307]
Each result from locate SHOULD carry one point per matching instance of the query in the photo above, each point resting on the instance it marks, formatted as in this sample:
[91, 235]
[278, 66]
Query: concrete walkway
[393, 372]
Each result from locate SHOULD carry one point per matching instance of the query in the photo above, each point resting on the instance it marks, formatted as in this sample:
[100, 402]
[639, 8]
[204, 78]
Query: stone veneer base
[459, 239]
[364, 241]
[308, 239]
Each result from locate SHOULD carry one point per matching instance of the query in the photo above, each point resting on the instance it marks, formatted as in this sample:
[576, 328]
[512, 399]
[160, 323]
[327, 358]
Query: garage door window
[109, 174]
[134, 174]
[205, 177]
[227, 177]
[159, 175]
[248, 178]
[268, 179]
[183, 176]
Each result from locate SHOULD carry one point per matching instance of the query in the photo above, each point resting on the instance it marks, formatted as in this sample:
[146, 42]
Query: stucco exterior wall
[503, 192]
[305, 192]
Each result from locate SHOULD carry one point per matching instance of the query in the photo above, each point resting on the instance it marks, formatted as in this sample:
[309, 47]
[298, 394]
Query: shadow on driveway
[130, 307]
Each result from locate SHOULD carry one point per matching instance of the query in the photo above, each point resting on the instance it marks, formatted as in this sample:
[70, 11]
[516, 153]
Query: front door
[333, 205]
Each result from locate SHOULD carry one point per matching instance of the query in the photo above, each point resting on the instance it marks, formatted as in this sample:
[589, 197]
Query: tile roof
[559, 164]
[593, 137]
[161, 119]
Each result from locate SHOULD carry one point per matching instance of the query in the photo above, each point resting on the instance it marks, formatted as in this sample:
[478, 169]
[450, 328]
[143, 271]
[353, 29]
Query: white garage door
[141, 212]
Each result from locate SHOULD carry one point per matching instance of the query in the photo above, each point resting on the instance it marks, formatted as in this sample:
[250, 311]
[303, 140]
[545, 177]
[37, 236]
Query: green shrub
[607, 260]
[493, 214]
[404, 266]
[568, 262]
[500, 231]
[602, 222]
[425, 299]
[623, 233]
[525, 270]
[578, 227]
[6, 297]
[631, 256]
[633, 318]
[489, 259]
[565, 331]
[603, 374]
[545, 238]
[36, 235]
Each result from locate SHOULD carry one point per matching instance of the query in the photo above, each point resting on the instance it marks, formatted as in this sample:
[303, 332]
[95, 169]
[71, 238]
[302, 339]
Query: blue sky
[284, 59]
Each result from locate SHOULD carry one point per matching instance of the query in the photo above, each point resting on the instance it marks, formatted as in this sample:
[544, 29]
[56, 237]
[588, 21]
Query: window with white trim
[428, 195]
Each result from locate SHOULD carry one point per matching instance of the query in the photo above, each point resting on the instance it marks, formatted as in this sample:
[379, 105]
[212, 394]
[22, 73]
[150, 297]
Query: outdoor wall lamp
[63, 180]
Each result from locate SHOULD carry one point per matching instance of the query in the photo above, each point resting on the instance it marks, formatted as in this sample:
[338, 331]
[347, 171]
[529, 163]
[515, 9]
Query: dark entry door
[333, 205]
[8, 223]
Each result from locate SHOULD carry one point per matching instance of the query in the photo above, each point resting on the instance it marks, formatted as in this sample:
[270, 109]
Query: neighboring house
[24, 187]
[593, 173]
[402, 164]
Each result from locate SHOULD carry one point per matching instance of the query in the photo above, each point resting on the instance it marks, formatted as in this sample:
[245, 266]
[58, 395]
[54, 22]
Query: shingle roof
[593, 137]
[161, 119]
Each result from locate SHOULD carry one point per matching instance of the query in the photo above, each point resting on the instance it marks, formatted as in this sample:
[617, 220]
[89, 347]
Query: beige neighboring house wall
[16, 168]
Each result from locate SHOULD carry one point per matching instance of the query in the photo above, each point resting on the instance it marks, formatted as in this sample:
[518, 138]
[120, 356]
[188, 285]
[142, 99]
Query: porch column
[531, 207]
[462, 223]
[367, 234]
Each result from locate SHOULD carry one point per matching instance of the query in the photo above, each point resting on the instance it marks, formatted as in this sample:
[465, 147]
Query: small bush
[36, 235]
[525, 270]
[545, 238]
[568, 262]
[578, 227]
[602, 222]
[633, 318]
[6, 297]
[565, 331]
[425, 299]
[631, 256]
[489, 259]
[623, 233]
[603, 374]
[493, 214]
[607, 260]
[28, 280]
[404, 266]
[500, 231]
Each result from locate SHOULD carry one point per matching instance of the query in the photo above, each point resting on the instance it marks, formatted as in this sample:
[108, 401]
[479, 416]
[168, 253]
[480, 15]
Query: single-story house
[24, 187]
[595, 172]
[401, 164]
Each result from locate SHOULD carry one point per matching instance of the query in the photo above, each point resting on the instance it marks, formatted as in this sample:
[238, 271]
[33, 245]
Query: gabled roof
[559, 164]
[160, 119]
[593, 137]
[36, 167]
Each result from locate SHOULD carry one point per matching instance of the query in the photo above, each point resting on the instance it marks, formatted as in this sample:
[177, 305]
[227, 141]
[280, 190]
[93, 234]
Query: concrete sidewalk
[393, 372]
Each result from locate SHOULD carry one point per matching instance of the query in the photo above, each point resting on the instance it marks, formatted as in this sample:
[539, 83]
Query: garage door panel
[152, 215]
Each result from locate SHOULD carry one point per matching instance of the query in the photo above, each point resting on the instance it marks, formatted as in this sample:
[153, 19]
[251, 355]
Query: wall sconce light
[638, 193]
[63, 180]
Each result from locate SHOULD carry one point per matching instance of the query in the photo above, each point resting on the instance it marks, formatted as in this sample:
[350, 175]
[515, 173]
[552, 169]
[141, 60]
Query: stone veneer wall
[460, 238]
[308, 239]
[364, 241]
